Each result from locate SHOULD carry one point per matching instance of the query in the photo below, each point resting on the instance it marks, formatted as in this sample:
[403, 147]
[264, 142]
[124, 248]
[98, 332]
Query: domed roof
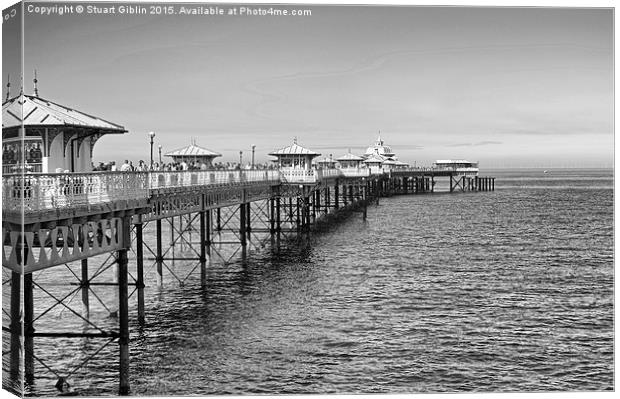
[379, 148]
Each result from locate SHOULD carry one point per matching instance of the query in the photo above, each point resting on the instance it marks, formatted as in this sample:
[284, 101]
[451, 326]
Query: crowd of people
[128, 166]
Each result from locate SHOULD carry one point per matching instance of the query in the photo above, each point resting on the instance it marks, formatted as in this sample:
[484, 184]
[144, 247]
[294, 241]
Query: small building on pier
[39, 135]
[350, 161]
[374, 162]
[326, 163]
[194, 154]
[294, 157]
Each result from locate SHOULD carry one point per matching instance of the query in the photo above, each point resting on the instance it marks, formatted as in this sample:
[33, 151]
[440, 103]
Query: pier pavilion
[55, 137]
[375, 163]
[294, 156]
[350, 161]
[194, 154]
[326, 163]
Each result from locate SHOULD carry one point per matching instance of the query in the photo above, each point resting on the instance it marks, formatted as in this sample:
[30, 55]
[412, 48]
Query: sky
[508, 87]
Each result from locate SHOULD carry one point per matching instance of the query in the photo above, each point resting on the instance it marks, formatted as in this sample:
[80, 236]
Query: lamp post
[240, 159]
[152, 136]
[253, 148]
[159, 147]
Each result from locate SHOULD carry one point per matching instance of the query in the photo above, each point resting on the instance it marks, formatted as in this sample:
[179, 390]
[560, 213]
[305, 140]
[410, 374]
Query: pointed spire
[8, 87]
[379, 142]
[295, 140]
[36, 89]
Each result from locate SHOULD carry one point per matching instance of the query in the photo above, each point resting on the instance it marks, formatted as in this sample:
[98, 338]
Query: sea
[502, 291]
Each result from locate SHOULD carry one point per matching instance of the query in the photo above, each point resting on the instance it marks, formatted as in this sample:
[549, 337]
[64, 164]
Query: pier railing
[355, 172]
[160, 180]
[68, 190]
[298, 175]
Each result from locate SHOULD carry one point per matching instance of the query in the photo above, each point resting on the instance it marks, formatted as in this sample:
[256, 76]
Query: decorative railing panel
[323, 174]
[68, 190]
[161, 180]
[355, 172]
[298, 175]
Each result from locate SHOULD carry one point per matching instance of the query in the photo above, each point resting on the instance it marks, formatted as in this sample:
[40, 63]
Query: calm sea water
[509, 290]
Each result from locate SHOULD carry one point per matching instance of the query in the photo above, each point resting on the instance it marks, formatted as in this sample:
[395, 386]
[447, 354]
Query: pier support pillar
[365, 200]
[123, 313]
[28, 329]
[242, 224]
[84, 287]
[159, 259]
[278, 220]
[272, 214]
[248, 220]
[317, 204]
[203, 247]
[218, 216]
[140, 272]
[306, 213]
[336, 193]
[327, 199]
[15, 325]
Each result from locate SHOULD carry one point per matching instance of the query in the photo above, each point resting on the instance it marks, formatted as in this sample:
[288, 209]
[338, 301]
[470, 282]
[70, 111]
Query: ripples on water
[510, 290]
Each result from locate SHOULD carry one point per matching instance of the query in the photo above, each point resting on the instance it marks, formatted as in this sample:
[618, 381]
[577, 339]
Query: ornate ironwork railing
[355, 172]
[160, 180]
[47, 191]
[66, 190]
[298, 175]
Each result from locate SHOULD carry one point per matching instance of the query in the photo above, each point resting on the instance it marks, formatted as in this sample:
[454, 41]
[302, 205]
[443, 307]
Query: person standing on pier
[126, 167]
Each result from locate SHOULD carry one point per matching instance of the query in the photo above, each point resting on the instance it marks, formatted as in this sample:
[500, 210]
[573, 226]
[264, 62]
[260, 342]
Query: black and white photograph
[232, 199]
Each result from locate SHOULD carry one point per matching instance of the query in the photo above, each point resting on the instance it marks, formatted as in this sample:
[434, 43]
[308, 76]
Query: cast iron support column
[218, 215]
[317, 203]
[248, 220]
[327, 199]
[336, 194]
[159, 258]
[272, 220]
[123, 310]
[278, 218]
[203, 247]
[242, 225]
[28, 329]
[307, 213]
[16, 326]
[298, 211]
[84, 284]
[140, 272]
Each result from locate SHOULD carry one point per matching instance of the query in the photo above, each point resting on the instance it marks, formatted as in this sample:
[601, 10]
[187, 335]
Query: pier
[69, 218]
[109, 229]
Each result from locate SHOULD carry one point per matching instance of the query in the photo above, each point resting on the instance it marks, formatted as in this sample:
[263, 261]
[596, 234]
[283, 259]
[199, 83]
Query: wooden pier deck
[67, 219]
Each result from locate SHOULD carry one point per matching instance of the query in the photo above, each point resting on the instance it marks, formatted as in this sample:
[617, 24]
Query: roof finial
[295, 140]
[36, 89]
[8, 86]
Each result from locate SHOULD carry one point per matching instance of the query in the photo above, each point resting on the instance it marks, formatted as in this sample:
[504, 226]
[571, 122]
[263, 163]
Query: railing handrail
[39, 191]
